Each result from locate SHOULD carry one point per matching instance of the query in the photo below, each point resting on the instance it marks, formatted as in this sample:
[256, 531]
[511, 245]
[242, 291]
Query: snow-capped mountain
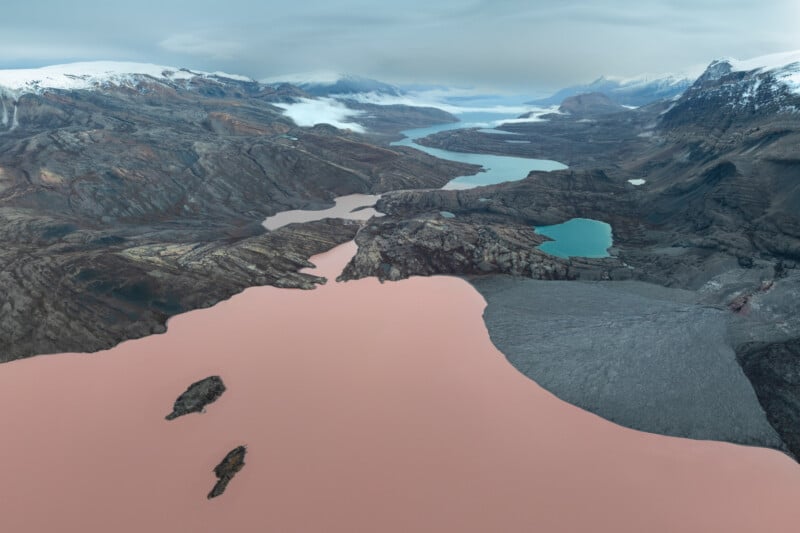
[632, 91]
[335, 84]
[782, 69]
[732, 90]
[89, 75]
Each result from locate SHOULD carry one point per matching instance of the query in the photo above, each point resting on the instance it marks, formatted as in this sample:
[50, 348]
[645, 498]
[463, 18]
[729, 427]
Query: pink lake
[366, 407]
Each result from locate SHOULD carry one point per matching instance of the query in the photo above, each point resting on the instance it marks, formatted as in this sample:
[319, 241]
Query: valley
[638, 263]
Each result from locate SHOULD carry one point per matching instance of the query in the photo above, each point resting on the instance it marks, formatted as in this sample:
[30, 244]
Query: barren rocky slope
[124, 204]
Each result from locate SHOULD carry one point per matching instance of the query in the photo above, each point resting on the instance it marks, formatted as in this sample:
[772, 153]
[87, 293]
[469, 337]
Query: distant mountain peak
[636, 91]
[782, 68]
[716, 70]
[742, 92]
[327, 83]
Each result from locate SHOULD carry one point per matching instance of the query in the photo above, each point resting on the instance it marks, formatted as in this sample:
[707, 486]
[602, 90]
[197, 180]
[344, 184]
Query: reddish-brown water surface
[365, 408]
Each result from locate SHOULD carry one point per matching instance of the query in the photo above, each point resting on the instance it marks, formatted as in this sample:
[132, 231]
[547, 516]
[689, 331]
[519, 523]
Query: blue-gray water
[497, 169]
[579, 237]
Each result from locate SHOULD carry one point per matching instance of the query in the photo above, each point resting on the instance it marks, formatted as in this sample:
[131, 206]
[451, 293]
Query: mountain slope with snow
[782, 68]
[335, 84]
[733, 94]
[632, 91]
[93, 74]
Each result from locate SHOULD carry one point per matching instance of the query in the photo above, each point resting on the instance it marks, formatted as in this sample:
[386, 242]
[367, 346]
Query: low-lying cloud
[307, 112]
[198, 45]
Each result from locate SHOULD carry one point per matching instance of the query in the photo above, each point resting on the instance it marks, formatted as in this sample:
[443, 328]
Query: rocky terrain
[586, 140]
[720, 166]
[774, 370]
[197, 396]
[717, 216]
[384, 122]
[125, 203]
[492, 230]
[589, 104]
[651, 358]
[232, 463]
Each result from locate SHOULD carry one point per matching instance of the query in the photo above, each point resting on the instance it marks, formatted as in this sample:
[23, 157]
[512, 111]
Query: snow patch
[307, 112]
[768, 62]
[227, 76]
[784, 67]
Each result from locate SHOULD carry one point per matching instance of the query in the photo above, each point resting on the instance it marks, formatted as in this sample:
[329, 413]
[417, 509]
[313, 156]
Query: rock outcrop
[774, 371]
[197, 396]
[225, 470]
[719, 214]
[493, 229]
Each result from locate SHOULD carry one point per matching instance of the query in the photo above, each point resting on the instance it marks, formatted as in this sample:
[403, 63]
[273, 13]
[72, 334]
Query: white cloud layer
[307, 112]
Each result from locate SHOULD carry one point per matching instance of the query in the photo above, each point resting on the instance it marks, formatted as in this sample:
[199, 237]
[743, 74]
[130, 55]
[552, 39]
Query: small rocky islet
[194, 400]
[197, 396]
[226, 469]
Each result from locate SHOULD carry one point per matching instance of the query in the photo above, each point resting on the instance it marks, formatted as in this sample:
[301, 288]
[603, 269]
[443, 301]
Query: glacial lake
[578, 237]
[575, 238]
[497, 169]
[365, 406]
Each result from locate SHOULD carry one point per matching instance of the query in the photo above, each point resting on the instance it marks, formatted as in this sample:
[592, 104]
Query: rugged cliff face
[728, 165]
[138, 197]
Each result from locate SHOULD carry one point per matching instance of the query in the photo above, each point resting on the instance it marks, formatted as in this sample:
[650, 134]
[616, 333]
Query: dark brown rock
[197, 396]
[225, 470]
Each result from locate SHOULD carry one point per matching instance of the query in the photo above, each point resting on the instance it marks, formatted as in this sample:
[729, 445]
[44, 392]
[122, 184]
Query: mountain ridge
[95, 74]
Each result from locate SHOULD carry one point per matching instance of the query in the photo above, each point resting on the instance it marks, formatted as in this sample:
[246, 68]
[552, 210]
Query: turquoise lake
[497, 169]
[579, 237]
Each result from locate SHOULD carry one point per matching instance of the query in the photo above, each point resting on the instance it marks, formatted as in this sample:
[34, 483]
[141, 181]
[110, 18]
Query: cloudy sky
[504, 44]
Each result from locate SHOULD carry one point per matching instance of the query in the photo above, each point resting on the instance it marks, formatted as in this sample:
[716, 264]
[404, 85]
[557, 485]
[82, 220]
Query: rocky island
[197, 396]
[232, 463]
